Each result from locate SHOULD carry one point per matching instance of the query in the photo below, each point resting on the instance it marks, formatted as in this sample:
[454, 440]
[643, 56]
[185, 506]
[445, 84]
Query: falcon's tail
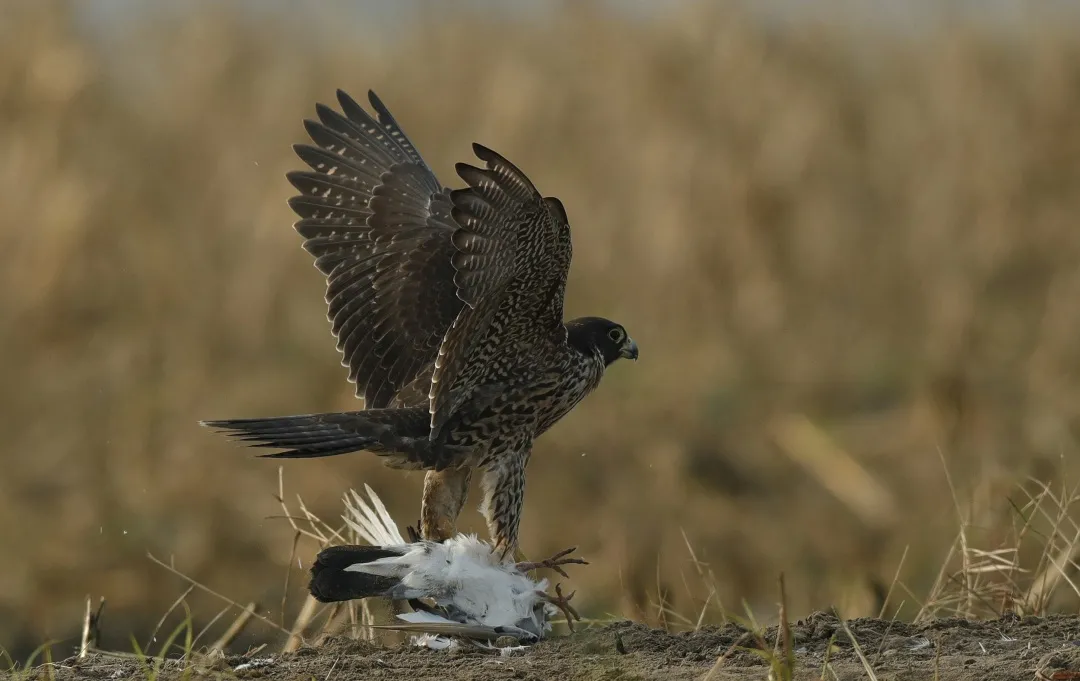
[337, 576]
[401, 434]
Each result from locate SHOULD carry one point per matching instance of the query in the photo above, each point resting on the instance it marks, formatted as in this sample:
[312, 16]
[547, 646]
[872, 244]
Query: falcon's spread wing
[380, 227]
[506, 231]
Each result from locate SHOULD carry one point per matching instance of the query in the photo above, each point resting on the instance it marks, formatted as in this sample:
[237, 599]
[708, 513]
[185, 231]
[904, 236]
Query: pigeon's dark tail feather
[330, 582]
[399, 433]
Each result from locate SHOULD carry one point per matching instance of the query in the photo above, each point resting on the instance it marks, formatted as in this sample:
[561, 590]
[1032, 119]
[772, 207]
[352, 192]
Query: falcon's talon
[554, 563]
[562, 603]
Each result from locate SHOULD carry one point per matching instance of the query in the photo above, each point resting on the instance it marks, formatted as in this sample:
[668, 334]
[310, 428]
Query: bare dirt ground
[948, 649]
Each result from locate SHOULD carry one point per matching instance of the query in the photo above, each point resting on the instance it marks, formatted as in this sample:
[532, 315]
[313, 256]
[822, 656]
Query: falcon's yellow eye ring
[617, 335]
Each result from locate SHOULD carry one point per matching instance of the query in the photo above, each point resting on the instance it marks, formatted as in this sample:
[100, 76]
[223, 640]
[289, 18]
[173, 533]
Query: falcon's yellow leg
[444, 496]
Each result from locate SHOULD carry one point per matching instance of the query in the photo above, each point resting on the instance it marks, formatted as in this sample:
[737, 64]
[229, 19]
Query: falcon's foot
[555, 562]
[562, 603]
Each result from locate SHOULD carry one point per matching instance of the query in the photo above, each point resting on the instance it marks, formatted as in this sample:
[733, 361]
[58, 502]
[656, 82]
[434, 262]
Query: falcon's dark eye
[617, 335]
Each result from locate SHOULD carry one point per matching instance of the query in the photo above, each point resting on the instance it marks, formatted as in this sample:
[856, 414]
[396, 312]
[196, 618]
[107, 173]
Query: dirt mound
[954, 649]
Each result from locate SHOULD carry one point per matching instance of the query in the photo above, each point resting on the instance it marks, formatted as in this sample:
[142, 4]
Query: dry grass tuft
[1031, 571]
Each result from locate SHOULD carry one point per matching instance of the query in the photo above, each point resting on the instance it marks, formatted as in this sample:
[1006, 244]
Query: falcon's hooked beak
[628, 349]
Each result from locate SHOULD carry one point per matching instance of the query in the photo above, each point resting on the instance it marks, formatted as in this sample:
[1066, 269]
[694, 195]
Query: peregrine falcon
[447, 306]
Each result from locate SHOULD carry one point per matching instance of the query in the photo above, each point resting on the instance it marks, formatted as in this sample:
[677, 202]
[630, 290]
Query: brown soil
[949, 649]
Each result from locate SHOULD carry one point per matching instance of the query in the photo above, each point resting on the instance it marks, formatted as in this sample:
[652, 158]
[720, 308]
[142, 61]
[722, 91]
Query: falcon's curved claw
[554, 563]
[562, 603]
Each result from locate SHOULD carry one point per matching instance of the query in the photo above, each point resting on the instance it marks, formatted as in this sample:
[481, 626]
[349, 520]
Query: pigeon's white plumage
[371, 522]
[471, 592]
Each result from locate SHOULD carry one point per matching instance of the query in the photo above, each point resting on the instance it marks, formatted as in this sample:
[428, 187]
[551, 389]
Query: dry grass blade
[235, 628]
[316, 529]
[91, 630]
[215, 594]
[826, 666]
[884, 640]
[858, 651]
[335, 622]
[962, 537]
[165, 616]
[785, 631]
[708, 579]
[209, 625]
[736, 645]
[893, 583]
[303, 619]
[1062, 547]
[288, 575]
[356, 529]
[939, 587]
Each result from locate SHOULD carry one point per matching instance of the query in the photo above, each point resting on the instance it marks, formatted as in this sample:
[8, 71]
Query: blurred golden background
[850, 256]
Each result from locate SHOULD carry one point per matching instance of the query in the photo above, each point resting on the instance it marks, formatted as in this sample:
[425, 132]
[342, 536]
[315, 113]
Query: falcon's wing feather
[380, 227]
[506, 229]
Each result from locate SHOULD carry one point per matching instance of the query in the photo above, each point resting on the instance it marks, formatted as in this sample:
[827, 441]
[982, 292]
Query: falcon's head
[601, 336]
